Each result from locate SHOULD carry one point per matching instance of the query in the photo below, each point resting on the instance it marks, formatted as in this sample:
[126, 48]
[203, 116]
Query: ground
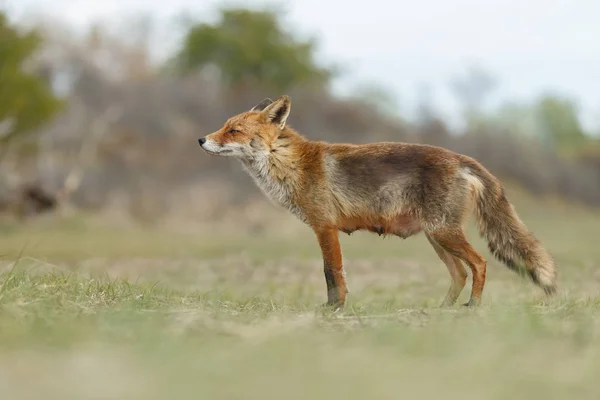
[90, 311]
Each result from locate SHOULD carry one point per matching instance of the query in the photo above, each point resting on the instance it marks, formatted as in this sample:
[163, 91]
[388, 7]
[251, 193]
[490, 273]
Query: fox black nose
[201, 141]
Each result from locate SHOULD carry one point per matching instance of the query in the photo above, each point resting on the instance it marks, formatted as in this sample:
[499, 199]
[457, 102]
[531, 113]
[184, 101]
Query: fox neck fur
[278, 171]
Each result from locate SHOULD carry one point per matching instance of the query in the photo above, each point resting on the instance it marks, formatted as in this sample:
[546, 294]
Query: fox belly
[402, 225]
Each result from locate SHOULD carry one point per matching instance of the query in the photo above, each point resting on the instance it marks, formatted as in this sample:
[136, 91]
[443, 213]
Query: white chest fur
[275, 188]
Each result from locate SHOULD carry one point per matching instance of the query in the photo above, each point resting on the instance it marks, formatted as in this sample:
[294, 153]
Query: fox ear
[262, 105]
[278, 111]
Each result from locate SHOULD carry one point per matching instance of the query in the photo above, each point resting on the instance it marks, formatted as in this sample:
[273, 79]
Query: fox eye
[232, 131]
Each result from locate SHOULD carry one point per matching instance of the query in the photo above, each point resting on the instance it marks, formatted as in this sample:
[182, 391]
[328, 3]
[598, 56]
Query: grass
[93, 312]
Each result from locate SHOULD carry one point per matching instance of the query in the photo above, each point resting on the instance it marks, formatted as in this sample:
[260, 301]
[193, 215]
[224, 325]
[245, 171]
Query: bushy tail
[508, 238]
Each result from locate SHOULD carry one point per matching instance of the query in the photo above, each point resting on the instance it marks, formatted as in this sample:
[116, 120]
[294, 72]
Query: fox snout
[209, 146]
[213, 148]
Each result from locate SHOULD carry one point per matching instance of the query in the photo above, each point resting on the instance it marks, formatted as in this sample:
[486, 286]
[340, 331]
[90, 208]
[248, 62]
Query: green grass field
[90, 311]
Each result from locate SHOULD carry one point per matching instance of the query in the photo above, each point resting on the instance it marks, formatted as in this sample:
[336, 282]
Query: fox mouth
[219, 152]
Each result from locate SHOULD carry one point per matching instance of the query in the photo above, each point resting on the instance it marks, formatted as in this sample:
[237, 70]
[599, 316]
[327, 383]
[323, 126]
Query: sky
[530, 47]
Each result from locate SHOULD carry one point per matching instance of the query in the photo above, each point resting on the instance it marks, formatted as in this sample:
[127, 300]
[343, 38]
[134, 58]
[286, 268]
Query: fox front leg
[333, 268]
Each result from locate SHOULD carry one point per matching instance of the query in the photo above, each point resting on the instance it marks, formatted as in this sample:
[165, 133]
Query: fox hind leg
[457, 271]
[453, 241]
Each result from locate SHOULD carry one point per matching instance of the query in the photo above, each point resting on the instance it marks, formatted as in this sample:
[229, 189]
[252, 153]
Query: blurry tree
[26, 101]
[249, 47]
[472, 90]
[517, 120]
[377, 97]
[559, 124]
[426, 110]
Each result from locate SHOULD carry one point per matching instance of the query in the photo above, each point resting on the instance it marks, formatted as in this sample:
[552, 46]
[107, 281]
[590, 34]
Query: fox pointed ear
[262, 105]
[278, 111]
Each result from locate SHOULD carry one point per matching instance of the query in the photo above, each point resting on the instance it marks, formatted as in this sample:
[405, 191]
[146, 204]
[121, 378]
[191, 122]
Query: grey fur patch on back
[375, 179]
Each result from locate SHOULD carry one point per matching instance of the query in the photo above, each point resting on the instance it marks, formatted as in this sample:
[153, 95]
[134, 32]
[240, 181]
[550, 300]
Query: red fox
[387, 188]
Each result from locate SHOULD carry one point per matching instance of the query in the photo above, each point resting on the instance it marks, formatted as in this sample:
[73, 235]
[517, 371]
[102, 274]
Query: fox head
[250, 134]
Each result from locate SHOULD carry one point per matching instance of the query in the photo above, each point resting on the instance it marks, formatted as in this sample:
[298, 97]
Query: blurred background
[148, 269]
[102, 102]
